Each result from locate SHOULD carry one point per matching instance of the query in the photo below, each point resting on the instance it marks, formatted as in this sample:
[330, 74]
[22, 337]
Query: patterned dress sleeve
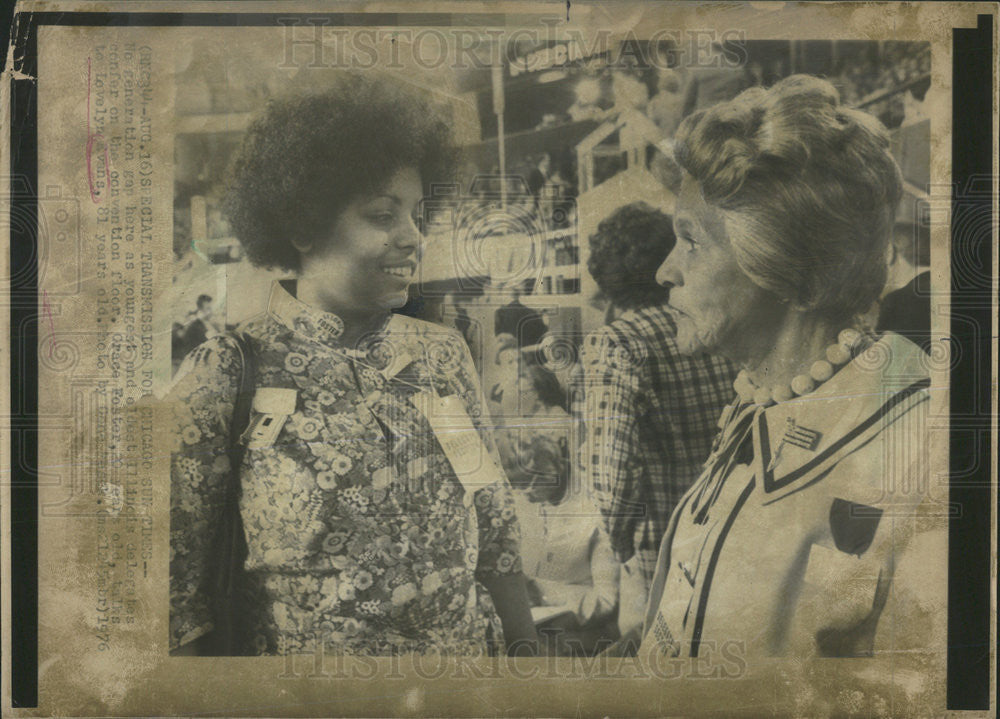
[499, 531]
[610, 455]
[201, 405]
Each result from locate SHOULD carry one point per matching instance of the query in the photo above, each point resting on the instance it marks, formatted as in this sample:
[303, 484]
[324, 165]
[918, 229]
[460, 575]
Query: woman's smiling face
[371, 257]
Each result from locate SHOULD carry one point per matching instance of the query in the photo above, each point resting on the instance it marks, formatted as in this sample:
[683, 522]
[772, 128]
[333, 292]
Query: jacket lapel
[797, 442]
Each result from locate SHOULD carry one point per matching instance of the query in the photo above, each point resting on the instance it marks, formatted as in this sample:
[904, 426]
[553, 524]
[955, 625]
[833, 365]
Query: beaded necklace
[849, 343]
[738, 417]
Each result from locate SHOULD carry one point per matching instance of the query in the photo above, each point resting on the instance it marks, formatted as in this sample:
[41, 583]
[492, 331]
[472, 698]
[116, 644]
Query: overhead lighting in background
[552, 76]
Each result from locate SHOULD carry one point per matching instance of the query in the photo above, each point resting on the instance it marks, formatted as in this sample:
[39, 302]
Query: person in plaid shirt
[649, 414]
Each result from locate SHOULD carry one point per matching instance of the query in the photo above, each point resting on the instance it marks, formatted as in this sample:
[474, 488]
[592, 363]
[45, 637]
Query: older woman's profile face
[371, 258]
[712, 301]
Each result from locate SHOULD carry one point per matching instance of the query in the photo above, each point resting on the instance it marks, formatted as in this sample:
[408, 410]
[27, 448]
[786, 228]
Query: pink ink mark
[91, 139]
[52, 325]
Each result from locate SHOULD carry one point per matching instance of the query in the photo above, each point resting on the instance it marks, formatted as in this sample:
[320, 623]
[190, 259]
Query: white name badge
[462, 445]
[272, 407]
[275, 400]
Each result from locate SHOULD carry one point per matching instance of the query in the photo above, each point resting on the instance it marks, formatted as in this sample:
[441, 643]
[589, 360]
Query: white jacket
[803, 551]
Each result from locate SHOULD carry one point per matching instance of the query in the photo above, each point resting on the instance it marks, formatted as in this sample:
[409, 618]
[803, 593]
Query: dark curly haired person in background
[360, 535]
[649, 413]
[621, 252]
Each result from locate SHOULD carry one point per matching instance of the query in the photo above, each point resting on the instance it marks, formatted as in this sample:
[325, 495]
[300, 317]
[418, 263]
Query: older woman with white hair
[789, 541]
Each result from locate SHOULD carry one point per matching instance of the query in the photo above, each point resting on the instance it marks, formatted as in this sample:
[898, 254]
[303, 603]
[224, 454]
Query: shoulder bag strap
[232, 549]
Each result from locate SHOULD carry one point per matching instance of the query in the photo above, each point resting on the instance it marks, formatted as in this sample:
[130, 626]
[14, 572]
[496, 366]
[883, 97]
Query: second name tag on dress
[272, 406]
[462, 445]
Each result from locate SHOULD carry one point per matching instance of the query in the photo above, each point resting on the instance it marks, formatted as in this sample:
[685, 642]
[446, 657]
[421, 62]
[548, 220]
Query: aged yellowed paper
[458, 358]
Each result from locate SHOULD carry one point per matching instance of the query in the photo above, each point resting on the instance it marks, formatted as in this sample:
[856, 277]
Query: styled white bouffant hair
[809, 189]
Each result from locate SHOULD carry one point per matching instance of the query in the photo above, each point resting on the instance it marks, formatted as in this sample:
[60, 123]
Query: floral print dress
[360, 536]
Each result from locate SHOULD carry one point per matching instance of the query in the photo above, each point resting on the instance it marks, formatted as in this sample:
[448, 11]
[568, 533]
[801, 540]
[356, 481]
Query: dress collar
[314, 324]
[794, 439]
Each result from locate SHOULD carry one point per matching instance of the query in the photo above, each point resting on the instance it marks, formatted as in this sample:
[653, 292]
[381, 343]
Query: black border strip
[272, 19]
[969, 545]
[23, 298]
